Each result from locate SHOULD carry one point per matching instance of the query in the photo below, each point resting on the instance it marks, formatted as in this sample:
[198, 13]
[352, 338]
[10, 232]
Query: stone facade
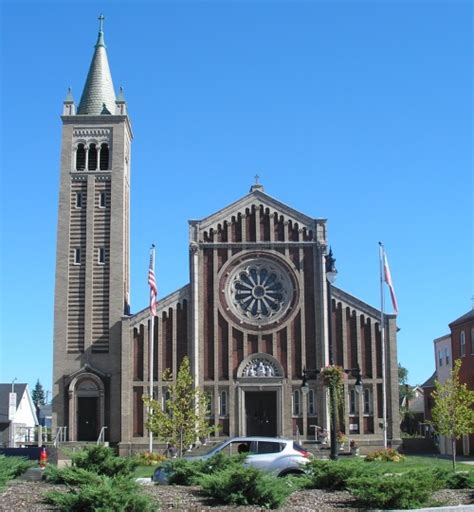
[253, 316]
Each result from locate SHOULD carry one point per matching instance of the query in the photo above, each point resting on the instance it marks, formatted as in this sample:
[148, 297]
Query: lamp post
[331, 273]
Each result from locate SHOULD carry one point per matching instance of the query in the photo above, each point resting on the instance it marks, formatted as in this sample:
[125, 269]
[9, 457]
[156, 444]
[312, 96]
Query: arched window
[104, 157]
[296, 403]
[92, 165]
[80, 157]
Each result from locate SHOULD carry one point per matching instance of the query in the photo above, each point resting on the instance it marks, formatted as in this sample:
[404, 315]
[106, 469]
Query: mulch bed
[22, 496]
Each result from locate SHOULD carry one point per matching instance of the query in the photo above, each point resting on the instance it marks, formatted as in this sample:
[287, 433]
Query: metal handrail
[101, 438]
[60, 436]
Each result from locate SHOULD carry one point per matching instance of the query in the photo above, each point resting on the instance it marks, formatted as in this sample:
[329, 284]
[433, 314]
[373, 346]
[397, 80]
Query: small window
[311, 403]
[166, 397]
[101, 255]
[352, 402]
[80, 157]
[367, 401]
[92, 162]
[77, 256]
[79, 199]
[462, 343]
[223, 404]
[440, 358]
[296, 403]
[446, 356]
[104, 157]
[102, 199]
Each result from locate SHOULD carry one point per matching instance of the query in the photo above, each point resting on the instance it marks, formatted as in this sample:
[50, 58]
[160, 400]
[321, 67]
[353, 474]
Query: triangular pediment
[258, 198]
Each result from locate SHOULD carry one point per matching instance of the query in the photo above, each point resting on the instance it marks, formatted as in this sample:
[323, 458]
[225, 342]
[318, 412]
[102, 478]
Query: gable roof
[5, 390]
[430, 382]
[257, 195]
[464, 318]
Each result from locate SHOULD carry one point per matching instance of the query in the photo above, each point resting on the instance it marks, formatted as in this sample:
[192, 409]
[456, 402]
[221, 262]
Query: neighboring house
[444, 365]
[459, 344]
[462, 345]
[18, 421]
[416, 407]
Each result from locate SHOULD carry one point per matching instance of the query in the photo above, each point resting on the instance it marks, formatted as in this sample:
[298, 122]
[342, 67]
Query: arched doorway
[260, 379]
[86, 407]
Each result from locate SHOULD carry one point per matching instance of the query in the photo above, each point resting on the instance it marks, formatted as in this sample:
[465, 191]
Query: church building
[256, 313]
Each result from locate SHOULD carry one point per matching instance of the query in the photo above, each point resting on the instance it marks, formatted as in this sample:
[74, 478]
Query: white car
[280, 457]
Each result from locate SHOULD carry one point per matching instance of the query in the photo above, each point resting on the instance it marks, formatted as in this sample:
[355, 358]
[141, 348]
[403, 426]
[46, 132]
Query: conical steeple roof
[98, 96]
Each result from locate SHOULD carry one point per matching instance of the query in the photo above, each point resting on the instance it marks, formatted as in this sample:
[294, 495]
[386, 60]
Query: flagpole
[382, 339]
[150, 343]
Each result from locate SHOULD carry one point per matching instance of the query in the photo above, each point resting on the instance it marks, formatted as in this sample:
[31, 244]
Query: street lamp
[331, 273]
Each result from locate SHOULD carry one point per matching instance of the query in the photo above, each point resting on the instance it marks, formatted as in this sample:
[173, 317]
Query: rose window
[260, 291]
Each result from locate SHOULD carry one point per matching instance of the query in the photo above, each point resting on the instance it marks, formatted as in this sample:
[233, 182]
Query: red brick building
[462, 345]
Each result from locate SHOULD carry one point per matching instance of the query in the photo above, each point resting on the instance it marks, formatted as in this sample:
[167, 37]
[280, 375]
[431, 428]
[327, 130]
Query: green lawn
[143, 471]
[417, 462]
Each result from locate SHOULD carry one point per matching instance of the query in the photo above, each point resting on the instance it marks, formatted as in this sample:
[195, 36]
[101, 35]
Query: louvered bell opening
[92, 157]
[104, 157]
[80, 157]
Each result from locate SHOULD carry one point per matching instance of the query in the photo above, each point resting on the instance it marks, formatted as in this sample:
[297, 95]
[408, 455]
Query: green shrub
[446, 479]
[188, 471]
[103, 461]
[11, 467]
[182, 471]
[400, 490]
[333, 475]
[241, 485]
[118, 494]
[70, 475]
[386, 455]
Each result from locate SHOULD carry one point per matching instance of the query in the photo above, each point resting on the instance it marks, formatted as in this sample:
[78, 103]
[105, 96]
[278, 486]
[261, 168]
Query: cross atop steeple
[99, 88]
[101, 19]
[257, 177]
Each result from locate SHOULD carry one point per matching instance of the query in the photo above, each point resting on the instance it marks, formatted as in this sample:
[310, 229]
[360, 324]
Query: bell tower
[92, 259]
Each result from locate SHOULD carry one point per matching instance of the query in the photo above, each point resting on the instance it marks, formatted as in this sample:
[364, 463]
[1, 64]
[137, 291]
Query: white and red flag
[387, 277]
[152, 282]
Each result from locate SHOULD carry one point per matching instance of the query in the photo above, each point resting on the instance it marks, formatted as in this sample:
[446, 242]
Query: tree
[406, 394]
[37, 395]
[182, 419]
[453, 411]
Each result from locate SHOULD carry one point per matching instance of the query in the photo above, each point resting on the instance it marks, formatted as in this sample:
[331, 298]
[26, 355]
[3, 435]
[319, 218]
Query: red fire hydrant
[43, 457]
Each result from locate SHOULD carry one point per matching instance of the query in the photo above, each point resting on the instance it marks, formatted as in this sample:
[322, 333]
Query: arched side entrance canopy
[86, 393]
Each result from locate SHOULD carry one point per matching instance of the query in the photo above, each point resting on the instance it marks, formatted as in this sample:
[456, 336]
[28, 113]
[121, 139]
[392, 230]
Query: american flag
[388, 280]
[152, 282]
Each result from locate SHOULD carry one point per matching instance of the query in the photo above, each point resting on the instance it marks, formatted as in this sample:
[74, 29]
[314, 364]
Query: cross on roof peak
[101, 19]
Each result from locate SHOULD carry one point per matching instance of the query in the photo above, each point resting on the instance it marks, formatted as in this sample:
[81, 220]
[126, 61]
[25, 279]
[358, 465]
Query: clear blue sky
[358, 112]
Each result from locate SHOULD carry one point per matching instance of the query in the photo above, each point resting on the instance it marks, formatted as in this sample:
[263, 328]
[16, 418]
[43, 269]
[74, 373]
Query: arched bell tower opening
[86, 407]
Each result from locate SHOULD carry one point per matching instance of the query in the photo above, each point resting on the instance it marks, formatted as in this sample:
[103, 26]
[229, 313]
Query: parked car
[279, 457]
